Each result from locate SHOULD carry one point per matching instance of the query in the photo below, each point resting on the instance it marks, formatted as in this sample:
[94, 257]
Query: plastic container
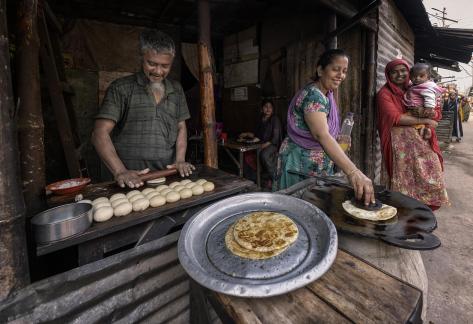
[345, 131]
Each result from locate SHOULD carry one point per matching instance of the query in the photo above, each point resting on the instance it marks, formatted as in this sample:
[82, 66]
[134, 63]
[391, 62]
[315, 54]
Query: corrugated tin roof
[442, 46]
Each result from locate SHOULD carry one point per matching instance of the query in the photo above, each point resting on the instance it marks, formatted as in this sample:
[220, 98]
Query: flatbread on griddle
[265, 231]
[384, 213]
[237, 249]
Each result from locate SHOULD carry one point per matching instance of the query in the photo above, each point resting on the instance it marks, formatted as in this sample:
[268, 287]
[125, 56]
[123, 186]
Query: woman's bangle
[352, 172]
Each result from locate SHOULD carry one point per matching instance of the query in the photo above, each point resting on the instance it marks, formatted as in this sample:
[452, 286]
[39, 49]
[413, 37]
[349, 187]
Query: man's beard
[157, 87]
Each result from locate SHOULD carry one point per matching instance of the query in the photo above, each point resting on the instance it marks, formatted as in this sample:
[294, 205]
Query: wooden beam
[332, 26]
[206, 86]
[369, 103]
[14, 272]
[57, 99]
[353, 20]
[347, 10]
[30, 117]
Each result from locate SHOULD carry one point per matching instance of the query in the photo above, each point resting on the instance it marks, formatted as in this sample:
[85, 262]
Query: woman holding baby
[407, 117]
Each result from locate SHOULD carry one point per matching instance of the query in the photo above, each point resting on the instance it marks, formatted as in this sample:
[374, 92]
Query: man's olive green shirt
[145, 133]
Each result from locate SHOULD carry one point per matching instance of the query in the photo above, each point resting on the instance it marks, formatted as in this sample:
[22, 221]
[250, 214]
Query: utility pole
[444, 16]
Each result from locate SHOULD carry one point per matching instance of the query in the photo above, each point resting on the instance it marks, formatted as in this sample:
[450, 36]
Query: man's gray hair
[157, 40]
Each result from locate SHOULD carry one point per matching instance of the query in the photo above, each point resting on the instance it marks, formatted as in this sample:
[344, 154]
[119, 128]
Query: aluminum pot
[61, 222]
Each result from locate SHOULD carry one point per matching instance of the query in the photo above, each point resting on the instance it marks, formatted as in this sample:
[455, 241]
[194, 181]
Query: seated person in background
[142, 122]
[422, 97]
[269, 132]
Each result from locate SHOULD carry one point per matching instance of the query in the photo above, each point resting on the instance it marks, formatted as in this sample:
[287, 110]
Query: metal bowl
[60, 222]
[203, 253]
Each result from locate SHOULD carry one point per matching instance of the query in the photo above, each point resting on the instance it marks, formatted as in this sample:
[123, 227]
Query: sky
[461, 10]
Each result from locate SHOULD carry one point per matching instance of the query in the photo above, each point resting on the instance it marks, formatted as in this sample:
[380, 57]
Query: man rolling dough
[141, 124]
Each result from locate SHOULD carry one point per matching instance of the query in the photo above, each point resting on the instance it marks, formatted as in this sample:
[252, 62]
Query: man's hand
[184, 168]
[130, 178]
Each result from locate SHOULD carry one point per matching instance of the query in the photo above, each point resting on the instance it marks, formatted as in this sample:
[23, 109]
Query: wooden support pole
[332, 26]
[370, 127]
[30, 117]
[13, 257]
[57, 100]
[206, 86]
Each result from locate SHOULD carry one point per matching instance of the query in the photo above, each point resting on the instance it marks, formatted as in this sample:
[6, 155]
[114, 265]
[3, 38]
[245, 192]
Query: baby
[421, 97]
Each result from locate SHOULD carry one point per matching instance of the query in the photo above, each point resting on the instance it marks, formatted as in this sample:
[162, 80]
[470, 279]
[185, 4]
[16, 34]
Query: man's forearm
[181, 144]
[106, 151]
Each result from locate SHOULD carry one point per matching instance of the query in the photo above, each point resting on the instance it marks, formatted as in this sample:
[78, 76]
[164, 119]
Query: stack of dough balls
[121, 204]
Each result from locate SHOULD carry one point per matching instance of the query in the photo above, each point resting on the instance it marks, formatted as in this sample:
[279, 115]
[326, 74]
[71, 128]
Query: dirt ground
[450, 267]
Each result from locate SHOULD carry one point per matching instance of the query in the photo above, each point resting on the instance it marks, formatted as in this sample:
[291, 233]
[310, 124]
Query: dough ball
[102, 204]
[208, 186]
[157, 201]
[190, 185]
[132, 193]
[172, 196]
[201, 181]
[161, 187]
[147, 191]
[185, 181]
[99, 200]
[140, 204]
[178, 188]
[117, 196]
[197, 190]
[123, 209]
[175, 183]
[185, 193]
[103, 214]
[152, 194]
[164, 192]
[118, 201]
[85, 201]
[136, 197]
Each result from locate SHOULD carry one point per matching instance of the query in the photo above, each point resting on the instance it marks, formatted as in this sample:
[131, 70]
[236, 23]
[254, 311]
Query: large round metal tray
[206, 259]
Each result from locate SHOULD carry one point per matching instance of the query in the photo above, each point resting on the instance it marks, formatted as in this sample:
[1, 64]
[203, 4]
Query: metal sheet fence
[145, 284]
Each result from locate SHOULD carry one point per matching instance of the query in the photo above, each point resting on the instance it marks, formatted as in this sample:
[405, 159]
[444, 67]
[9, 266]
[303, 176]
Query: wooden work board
[351, 291]
[225, 185]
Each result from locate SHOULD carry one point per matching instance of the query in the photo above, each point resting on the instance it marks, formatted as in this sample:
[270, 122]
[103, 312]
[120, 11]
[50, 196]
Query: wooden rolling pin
[157, 174]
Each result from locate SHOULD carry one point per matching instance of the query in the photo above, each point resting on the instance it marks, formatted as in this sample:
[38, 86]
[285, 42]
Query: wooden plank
[30, 117]
[238, 309]
[364, 293]
[14, 272]
[299, 306]
[198, 306]
[57, 101]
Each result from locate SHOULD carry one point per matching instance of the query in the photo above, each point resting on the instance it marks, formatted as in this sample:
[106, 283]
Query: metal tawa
[205, 257]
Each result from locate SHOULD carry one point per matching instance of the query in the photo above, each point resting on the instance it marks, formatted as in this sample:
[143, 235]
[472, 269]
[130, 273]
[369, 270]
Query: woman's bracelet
[352, 172]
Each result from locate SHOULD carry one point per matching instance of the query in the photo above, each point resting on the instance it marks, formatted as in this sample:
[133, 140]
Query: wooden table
[351, 291]
[137, 228]
[242, 148]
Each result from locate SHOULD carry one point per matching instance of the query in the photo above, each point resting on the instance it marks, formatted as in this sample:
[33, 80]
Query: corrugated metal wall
[395, 39]
[146, 284]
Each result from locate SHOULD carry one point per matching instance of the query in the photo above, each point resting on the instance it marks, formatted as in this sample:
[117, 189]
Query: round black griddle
[411, 228]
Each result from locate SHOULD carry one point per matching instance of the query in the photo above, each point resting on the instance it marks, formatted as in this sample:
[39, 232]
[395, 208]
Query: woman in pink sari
[414, 165]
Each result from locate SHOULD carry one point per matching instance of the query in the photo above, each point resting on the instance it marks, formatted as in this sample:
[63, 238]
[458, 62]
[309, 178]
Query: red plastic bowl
[68, 186]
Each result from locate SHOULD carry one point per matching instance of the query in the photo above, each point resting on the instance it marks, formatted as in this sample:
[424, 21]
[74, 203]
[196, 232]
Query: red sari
[414, 165]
